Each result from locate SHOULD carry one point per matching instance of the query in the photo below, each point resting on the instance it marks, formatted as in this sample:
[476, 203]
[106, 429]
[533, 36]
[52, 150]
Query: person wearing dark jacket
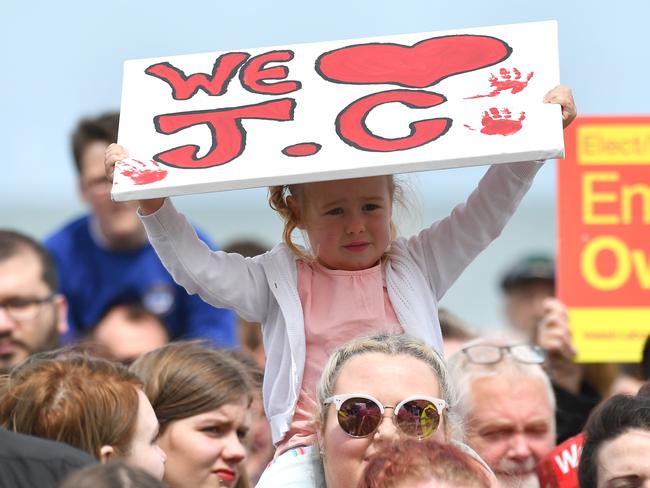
[28, 462]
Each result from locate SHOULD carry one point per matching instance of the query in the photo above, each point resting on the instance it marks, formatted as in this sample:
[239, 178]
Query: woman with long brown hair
[202, 398]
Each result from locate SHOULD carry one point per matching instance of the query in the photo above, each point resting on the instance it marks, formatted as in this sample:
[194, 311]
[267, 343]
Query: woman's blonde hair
[391, 345]
[82, 401]
[278, 201]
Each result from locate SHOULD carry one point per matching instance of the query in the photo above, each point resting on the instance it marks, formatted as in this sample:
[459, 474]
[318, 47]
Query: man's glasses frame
[25, 309]
[492, 354]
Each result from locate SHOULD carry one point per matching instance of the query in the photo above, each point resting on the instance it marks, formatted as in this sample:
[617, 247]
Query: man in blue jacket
[104, 257]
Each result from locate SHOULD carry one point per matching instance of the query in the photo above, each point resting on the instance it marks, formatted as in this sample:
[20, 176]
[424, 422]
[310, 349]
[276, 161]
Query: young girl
[354, 280]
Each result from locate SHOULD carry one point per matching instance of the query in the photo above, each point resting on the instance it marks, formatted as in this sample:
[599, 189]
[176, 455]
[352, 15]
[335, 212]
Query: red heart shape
[418, 66]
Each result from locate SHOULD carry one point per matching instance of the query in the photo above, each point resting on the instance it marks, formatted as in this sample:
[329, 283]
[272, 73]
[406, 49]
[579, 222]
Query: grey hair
[392, 345]
[464, 373]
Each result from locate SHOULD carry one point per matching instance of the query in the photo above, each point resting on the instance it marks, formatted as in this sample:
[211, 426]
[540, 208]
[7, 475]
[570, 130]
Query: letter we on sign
[342, 109]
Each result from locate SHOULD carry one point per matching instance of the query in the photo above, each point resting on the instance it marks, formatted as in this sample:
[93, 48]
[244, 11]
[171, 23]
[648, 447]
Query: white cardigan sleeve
[221, 279]
[445, 249]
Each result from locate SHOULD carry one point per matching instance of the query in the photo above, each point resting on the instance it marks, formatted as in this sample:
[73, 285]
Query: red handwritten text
[418, 66]
[351, 122]
[302, 149]
[228, 133]
[185, 87]
[253, 75]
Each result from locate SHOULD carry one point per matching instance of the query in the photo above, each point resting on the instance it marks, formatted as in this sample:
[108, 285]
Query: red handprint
[500, 122]
[506, 82]
[147, 173]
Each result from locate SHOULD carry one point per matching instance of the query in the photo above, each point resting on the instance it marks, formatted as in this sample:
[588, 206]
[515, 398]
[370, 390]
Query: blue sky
[63, 60]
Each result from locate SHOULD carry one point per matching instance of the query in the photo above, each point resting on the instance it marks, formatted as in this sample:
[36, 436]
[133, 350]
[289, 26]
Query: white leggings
[296, 468]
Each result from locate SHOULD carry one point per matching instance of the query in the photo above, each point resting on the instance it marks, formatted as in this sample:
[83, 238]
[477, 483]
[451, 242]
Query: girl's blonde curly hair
[278, 201]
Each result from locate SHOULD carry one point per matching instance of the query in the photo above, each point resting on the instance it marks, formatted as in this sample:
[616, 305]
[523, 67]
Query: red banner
[604, 235]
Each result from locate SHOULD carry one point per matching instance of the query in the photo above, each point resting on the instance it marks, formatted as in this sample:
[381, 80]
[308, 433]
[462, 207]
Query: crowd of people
[134, 353]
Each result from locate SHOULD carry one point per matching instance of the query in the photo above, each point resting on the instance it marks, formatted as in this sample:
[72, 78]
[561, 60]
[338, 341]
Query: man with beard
[32, 314]
[508, 407]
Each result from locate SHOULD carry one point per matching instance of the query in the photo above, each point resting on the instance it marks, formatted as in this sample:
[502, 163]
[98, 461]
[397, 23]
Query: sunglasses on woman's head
[360, 415]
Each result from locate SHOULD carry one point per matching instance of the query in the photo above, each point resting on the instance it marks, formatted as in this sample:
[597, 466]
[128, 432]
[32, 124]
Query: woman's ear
[106, 454]
[294, 208]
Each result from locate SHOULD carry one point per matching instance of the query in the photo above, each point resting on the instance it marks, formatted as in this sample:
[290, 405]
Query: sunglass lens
[359, 417]
[418, 418]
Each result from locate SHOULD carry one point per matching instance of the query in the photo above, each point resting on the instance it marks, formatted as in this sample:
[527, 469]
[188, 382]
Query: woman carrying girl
[354, 279]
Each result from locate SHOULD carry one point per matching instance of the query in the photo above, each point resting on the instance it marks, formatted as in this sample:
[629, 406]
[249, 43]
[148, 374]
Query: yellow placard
[609, 334]
[622, 144]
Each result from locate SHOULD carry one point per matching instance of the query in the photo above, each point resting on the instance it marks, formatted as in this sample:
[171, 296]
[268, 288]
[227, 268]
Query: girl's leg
[296, 468]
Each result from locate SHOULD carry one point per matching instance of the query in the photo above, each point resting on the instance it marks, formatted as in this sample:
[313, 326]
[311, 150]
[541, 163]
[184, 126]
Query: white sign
[341, 109]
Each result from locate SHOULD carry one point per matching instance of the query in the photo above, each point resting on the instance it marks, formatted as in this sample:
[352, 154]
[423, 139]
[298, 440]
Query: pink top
[362, 309]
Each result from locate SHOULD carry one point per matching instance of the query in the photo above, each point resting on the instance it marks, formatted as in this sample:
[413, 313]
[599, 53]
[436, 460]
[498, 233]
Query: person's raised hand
[112, 155]
[553, 332]
[554, 336]
[562, 95]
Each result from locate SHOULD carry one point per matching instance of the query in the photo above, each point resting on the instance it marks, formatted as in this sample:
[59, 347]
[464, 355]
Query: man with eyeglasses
[32, 314]
[533, 310]
[508, 406]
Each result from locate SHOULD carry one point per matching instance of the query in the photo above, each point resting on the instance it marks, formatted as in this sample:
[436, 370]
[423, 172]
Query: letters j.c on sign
[308, 112]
